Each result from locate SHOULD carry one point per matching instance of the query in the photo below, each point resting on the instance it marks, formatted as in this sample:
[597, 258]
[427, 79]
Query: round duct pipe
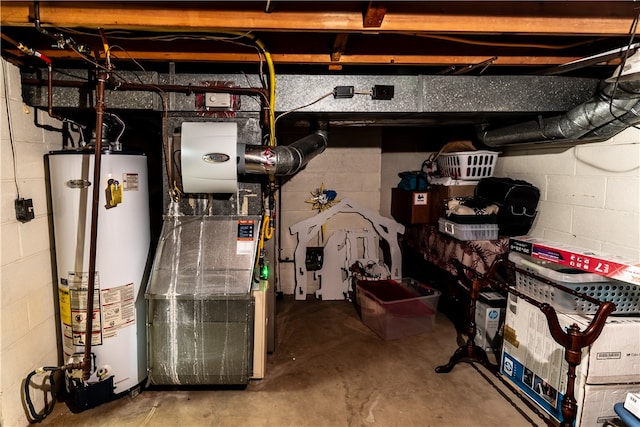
[283, 159]
[631, 118]
[612, 104]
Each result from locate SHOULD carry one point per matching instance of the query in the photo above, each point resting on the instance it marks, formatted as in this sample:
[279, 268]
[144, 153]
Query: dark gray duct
[283, 159]
[606, 114]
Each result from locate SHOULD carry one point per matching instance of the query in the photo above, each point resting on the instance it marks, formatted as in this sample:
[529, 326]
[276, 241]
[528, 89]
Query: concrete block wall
[351, 167]
[28, 324]
[590, 193]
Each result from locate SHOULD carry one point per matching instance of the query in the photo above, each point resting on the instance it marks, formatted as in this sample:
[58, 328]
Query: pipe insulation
[613, 109]
[282, 159]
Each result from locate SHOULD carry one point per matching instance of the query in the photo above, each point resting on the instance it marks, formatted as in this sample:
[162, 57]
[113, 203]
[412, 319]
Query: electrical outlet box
[383, 92]
[217, 100]
[24, 210]
[343, 92]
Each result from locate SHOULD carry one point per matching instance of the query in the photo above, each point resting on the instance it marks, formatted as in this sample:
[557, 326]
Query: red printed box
[613, 266]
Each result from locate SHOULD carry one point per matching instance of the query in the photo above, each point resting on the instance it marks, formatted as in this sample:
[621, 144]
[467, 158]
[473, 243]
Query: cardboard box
[632, 403]
[598, 402]
[441, 192]
[410, 207]
[534, 362]
[613, 266]
[489, 319]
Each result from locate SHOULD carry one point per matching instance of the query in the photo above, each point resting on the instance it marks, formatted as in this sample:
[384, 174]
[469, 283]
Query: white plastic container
[625, 296]
[468, 231]
[397, 309]
[468, 165]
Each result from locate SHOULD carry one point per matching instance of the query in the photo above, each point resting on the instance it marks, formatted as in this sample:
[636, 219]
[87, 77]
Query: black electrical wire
[176, 164]
[10, 126]
[632, 32]
[36, 417]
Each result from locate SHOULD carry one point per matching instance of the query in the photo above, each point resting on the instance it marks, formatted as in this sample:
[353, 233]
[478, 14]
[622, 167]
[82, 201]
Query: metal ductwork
[284, 159]
[632, 118]
[613, 109]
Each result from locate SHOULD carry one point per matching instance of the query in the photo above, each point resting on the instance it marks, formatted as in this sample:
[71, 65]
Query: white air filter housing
[209, 152]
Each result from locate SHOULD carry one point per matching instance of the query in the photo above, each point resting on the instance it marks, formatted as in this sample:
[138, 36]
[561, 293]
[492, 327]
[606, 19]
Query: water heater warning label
[118, 309]
[130, 182]
[78, 283]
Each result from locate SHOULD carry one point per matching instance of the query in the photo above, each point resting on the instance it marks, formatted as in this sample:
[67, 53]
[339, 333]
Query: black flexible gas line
[35, 417]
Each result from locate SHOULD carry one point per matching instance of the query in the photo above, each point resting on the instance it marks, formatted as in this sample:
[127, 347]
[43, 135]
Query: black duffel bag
[517, 201]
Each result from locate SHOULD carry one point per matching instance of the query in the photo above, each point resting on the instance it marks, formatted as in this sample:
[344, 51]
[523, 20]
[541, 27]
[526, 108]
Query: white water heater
[118, 338]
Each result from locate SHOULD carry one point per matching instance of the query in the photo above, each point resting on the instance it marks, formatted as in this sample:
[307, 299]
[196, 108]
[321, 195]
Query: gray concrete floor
[329, 369]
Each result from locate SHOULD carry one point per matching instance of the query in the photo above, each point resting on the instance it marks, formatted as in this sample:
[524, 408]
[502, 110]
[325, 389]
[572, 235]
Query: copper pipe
[86, 361]
[50, 91]
[50, 95]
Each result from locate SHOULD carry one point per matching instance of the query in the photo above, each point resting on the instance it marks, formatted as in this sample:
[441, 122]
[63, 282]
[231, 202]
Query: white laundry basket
[468, 165]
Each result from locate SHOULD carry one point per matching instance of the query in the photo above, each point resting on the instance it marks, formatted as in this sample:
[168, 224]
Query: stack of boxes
[534, 362]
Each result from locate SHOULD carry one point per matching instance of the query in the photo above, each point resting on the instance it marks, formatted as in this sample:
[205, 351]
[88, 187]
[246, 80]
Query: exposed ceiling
[430, 37]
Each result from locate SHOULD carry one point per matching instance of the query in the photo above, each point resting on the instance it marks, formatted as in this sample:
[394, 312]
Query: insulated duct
[283, 159]
[615, 108]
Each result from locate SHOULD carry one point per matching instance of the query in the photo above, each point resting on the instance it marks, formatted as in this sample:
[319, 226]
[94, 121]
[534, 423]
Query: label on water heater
[78, 289]
[118, 309]
[64, 300]
[130, 182]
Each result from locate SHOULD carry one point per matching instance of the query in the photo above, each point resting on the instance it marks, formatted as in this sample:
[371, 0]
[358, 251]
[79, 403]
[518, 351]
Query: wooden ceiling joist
[374, 15]
[318, 59]
[339, 46]
[433, 33]
[186, 16]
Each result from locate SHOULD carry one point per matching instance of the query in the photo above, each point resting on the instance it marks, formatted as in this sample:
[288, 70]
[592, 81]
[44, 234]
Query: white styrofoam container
[530, 356]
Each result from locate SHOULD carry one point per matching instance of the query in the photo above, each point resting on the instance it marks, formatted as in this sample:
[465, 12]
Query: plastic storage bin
[468, 231]
[397, 309]
[468, 165]
[625, 296]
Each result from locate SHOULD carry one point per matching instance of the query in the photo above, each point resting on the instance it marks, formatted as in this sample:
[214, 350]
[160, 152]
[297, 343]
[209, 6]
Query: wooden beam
[303, 58]
[339, 46]
[374, 15]
[187, 16]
